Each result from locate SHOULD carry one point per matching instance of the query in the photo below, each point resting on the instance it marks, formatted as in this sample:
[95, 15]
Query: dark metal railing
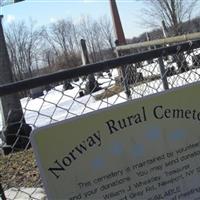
[97, 67]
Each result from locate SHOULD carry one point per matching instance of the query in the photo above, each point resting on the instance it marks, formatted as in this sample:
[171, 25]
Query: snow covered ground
[57, 105]
[25, 194]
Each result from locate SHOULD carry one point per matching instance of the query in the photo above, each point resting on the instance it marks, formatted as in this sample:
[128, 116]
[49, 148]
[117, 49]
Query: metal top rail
[164, 41]
[97, 67]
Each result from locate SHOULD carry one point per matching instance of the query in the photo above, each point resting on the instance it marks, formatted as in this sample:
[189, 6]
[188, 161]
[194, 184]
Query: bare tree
[106, 30]
[24, 43]
[48, 57]
[86, 31]
[62, 37]
[173, 12]
[99, 36]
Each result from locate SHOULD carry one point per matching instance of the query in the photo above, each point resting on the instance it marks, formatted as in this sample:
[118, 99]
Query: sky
[48, 11]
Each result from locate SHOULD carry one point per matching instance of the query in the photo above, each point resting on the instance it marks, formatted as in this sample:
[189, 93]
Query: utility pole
[15, 131]
[121, 40]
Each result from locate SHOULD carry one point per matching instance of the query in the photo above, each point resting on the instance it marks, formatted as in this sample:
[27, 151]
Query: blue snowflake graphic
[153, 134]
[98, 163]
[177, 135]
[117, 149]
[138, 150]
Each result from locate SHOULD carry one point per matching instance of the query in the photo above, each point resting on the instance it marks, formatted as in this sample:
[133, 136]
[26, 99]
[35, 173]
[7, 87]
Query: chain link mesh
[20, 178]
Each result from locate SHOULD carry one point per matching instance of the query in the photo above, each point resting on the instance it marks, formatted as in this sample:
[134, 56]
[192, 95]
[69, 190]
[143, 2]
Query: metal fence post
[163, 73]
[124, 77]
[10, 106]
[2, 195]
[125, 81]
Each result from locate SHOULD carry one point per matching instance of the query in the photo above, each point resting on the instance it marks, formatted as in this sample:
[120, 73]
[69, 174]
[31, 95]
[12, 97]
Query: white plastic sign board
[142, 149]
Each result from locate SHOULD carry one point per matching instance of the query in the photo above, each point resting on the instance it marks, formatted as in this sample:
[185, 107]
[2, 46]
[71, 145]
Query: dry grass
[109, 92]
[19, 170]
[116, 89]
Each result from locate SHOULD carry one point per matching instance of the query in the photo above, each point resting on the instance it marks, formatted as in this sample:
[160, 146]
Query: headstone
[81, 93]
[67, 85]
[36, 92]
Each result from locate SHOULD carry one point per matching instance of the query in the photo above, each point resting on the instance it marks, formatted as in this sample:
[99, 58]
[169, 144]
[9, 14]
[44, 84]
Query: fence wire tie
[190, 43]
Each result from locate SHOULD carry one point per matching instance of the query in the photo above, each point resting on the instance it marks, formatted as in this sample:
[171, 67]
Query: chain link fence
[66, 94]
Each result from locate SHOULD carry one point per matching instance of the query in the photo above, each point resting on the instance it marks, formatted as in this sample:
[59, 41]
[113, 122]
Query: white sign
[142, 149]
